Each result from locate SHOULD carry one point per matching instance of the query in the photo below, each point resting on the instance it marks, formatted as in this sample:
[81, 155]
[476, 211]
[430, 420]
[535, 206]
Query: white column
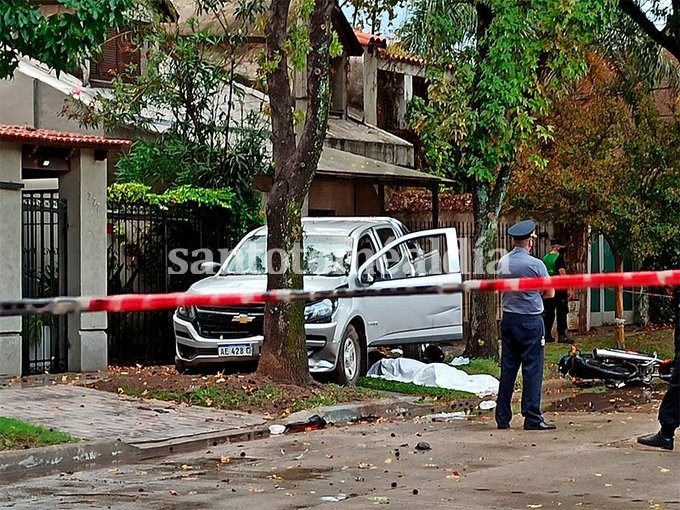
[370, 86]
[84, 189]
[407, 95]
[10, 255]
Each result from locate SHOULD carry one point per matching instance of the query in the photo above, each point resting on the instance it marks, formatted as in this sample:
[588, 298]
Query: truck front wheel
[348, 366]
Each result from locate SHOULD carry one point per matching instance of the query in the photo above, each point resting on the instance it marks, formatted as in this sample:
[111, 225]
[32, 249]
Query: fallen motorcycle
[616, 367]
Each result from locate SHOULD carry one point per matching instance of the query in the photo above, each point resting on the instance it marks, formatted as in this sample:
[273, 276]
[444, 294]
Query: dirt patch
[245, 392]
[608, 400]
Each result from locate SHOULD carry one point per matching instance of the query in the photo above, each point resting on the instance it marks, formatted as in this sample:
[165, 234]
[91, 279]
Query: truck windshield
[322, 256]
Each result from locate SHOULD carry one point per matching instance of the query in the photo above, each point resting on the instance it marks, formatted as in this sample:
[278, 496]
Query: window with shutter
[118, 52]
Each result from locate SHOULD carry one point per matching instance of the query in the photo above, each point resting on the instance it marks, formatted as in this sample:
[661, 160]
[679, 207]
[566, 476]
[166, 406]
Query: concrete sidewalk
[118, 429]
[115, 428]
[590, 461]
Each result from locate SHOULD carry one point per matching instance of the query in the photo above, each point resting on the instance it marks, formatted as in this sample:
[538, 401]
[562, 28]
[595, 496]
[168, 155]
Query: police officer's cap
[522, 230]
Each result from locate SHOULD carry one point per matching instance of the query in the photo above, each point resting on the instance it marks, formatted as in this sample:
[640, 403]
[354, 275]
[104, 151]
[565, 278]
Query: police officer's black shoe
[656, 441]
[540, 426]
[564, 339]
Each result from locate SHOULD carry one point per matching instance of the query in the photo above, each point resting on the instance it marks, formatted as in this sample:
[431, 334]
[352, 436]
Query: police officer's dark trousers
[521, 345]
[669, 411]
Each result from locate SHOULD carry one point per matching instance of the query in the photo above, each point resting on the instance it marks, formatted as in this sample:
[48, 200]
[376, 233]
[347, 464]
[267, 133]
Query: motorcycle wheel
[599, 369]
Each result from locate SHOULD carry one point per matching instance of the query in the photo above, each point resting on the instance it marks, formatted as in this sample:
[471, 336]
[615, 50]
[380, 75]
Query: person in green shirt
[558, 306]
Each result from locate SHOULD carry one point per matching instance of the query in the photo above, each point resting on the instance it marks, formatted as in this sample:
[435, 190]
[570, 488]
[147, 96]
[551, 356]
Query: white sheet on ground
[439, 375]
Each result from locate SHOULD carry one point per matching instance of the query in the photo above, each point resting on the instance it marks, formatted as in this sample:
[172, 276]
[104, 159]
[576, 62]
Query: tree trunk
[483, 335]
[284, 353]
[578, 241]
[482, 340]
[618, 306]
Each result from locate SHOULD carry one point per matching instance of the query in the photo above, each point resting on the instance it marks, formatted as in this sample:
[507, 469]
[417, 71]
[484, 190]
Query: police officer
[522, 332]
[669, 410]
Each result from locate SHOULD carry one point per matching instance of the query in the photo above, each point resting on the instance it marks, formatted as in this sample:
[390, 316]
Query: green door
[602, 299]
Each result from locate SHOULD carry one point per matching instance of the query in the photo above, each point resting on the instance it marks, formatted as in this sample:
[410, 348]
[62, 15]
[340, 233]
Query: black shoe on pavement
[656, 441]
[503, 426]
[564, 339]
[540, 426]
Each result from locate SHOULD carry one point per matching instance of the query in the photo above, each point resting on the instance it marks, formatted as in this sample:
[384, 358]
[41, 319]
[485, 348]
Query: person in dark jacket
[558, 306]
[669, 410]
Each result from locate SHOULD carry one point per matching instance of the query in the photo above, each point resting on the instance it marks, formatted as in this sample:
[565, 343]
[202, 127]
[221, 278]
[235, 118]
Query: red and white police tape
[147, 302]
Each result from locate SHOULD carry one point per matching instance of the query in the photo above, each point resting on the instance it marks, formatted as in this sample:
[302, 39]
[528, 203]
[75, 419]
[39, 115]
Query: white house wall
[10, 255]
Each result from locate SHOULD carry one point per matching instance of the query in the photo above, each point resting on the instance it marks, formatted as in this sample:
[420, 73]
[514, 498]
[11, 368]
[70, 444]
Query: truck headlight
[188, 313]
[320, 311]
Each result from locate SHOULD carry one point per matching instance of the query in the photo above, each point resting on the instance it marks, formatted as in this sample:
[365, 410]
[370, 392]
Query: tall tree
[613, 167]
[659, 19]
[302, 38]
[492, 66]
[186, 96]
[612, 162]
[61, 38]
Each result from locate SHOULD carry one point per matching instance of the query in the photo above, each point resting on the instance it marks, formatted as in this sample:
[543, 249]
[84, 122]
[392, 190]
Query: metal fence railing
[43, 276]
[154, 250]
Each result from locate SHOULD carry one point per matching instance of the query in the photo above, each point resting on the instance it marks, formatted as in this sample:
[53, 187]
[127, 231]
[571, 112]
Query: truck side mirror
[209, 267]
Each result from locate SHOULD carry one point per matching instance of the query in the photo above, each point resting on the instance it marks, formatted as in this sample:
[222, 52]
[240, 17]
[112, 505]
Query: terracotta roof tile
[404, 59]
[59, 138]
[368, 39]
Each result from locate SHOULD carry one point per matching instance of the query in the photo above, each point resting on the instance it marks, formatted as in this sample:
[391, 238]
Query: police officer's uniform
[669, 410]
[522, 332]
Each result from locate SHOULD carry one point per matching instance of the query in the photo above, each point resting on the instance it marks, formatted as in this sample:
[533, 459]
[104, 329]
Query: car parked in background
[338, 253]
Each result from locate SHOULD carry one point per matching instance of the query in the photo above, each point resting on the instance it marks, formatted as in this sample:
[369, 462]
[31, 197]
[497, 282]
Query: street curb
[386, 408]
[18, 464]
[184, 444]
[34, 462]
[338, 414]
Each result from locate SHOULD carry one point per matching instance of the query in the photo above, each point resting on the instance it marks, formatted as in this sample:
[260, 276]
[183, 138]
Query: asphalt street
[591, 461]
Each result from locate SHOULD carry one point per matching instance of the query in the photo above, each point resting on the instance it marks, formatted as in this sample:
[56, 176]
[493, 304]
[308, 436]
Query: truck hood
[255, 284]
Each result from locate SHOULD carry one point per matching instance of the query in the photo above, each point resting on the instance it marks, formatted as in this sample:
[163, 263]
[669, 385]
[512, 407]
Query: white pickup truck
[357, 252]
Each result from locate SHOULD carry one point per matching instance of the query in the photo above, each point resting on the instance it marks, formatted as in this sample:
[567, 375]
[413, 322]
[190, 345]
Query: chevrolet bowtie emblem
[242, 319]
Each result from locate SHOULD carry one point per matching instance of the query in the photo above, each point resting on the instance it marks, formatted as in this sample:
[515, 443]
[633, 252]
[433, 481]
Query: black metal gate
[43, 275]
[146, 243]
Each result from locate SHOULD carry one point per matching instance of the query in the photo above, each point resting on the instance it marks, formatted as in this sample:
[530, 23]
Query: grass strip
[16, 435]
[262, 399]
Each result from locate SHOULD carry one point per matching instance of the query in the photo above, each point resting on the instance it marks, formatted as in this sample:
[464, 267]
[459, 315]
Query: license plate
[235, 350]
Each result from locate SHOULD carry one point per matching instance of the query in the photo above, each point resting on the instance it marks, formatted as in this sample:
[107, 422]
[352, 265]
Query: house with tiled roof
[43, 149]
[360, 161]
[32, 227]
